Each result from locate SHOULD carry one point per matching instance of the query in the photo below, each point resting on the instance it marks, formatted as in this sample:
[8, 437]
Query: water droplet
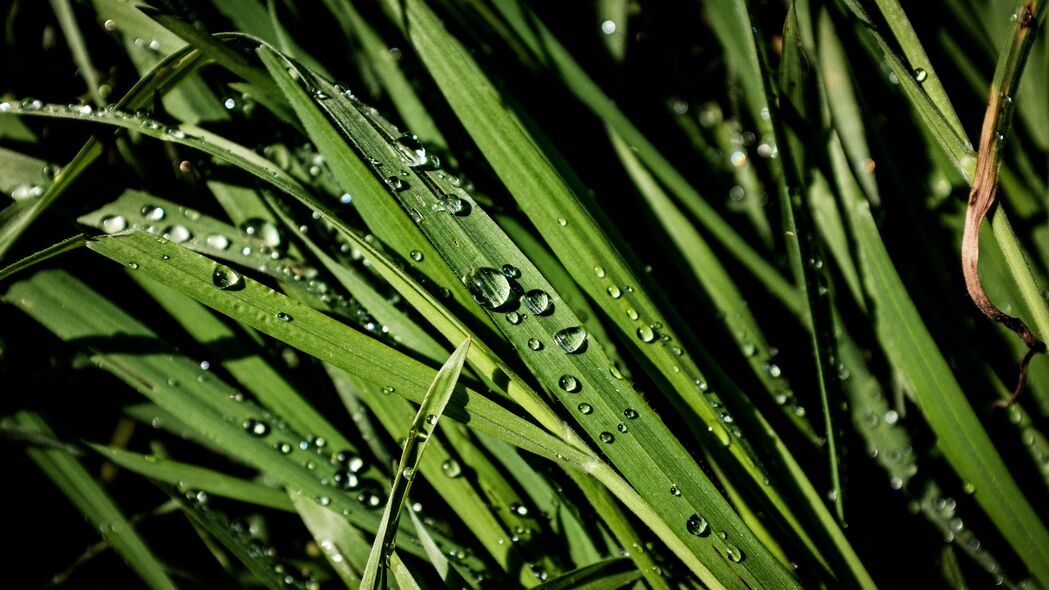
[416, 154]
[733, 553]
[920, 75]
[537, 302]
[110, 24]
[518, 509]
[622, 427]
[323, 500]
[891, 417]
[571, 340]
[416, 255]
[396, 183]
[282, 447]
[132, 265]
[697, 525]
[562, 221]
[615, 292]
[114, 223]
[152, 213]
[218, 241]
[256, 427]
[283, 316]
[226, 278]
[513, 317]
[608, 27]
[451, 468]
[455, 205]
[489, 287]
[178, 233]
[535, 344]
[632, 314]
[569, 384]
[264, 231]
[388, 389]
[585, 408]
[614, 371]
[599, 271]
[607, 437]
[646, 334]
[630, 414]
[511, 271]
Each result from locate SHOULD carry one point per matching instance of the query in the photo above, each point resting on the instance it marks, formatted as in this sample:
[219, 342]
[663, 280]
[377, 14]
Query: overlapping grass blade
[417, 437]
[95, 504]
[344, 547]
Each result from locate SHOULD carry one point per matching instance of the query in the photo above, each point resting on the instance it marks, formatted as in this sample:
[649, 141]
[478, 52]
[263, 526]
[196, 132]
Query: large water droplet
[537, 302]
[571, 340]
[178, 233]
[489, 287]
[451, 468]
[153, 213]
[733, 553]
[569, 383]
[226, 278]
[416, 154]
[697, 525]
[218, 241]
[114, 223]
[646, 334]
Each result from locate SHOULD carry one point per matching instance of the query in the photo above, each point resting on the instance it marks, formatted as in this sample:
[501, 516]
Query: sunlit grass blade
[417, 437]
[95, 504]
[446, 570]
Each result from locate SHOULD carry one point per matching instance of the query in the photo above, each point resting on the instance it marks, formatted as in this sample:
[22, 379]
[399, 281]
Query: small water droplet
[562, 221]
[132, 265]
[113, 224]
[518, 509]
[416, 255]
[489, 287]
[674, 491]
[416, 153]
[599, 271]
[388, 389]
[608, 27]
[537, 302]
[455, 205]
[153, 213]
[632, 314]
[920, 75]
[646, 334]
[511, 271]
[569, 384]
[622, 427]
[615, 292]
[571, 340]
[256, 427]
[607, 437]
[178, 233]
[697, 525]
[535, 344]
[260, 229]
[630, 414]
[585, 408]
[513, 317]
[283, 316]
[226, 278]
[396, 183]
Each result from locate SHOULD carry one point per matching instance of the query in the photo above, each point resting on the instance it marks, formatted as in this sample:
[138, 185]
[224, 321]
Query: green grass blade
[445, 569]
[67, 245]
[186, 475]
[344, 547]
[423, 427]
[92, 500]
[605, 575]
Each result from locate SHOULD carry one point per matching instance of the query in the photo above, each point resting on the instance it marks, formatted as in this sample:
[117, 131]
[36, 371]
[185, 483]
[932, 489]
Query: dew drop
[571, 340]
[256, 427]
[489, 287]
[632, 314]
[416, 255]
[674, 491]
[132, 265]
[569, 384]
[535, 344]
[615, 292]
[622, 427]
[518, 509]
[562, 221]
[697, 525]
[646, 334]
[226, 278]
[416, 154]
[455, 205]
[630, 414]
[585, 408]
[283, 316]
[388, 389]
[396, 183]
[920, 75]
[218, 241]
[451, 468]
[113, 224]
[511, 271]
[153, 213]
[537, 302]
[733, 553]
[178, 233]
[264, 231]
[607, 438]
[513, 317]
[599, 271]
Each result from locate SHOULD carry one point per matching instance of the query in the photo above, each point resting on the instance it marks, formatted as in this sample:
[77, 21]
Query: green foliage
[620, 378]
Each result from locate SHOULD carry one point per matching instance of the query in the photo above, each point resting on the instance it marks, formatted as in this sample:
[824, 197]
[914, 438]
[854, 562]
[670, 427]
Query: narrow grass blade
[423, 427]
[610, 574]
[75, 40]
[185, 475]
[344, 547]
[67, 245]
[445, 569]
[92, 500]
